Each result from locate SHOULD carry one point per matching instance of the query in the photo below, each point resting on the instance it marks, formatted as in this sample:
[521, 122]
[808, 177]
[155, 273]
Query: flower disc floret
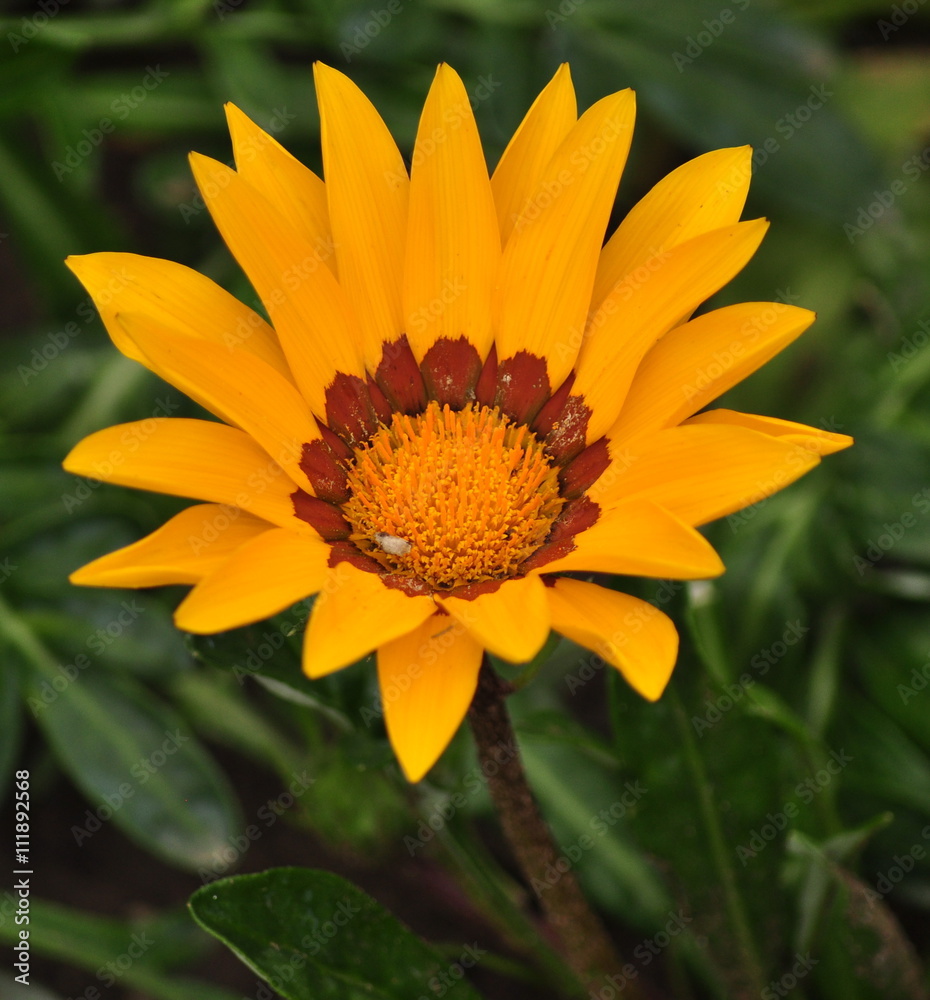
[452, 497]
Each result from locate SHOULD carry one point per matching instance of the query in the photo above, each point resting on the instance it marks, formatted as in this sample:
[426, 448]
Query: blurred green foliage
[786, 775]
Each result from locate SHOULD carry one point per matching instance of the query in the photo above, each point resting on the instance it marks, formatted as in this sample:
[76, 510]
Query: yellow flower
[461, 395]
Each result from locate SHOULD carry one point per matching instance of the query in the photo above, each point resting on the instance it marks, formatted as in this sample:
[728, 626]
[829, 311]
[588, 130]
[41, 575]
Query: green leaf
[315, 936]
[266, 651]
[817, 862]
[10, 719]
[134, 954]
[132, 756]
[887, 763]
[11, 990]
[770, 77]
[588, 805]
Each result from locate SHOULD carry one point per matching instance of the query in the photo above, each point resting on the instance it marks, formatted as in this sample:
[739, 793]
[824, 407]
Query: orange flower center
[452, 497]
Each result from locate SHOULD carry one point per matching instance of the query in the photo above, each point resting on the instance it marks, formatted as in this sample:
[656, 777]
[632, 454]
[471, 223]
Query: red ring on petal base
[451, 476]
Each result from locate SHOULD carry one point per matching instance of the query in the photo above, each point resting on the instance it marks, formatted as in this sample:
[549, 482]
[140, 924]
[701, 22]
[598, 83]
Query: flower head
[460, 396]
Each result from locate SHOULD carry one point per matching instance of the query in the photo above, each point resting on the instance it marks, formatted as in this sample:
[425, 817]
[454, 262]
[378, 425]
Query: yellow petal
[540, 134]
[639, 538]
[700, 473]
[428, 678]
[646, 305]
[294, 190]
[355, 614]
[178, 298]
[261, 578]
[698, 361]
[815, 439]
[548, 267]
[705, 193]
[314, 322]
[512, 623]
[632, 635]
[237, 387]
[367, 188]
[189, 458]
[184, 550]
[453, 243]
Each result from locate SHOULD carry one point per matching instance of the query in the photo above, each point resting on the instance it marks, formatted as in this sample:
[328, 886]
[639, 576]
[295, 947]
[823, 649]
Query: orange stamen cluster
[452, 497]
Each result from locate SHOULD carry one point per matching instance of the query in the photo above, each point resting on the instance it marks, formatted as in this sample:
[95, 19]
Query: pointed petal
[643, 307]
[540, 134]
[705, 193]
[190, 458]
[453, 243]
[548, 267]
[367, 188]
[428, 678]
[702, 472]
[178, 298]
[314, 322]
[294, 190]
[512, 623]
[638, 538]
[632, 635]
[813, 438]
[183, 550]
[239, 388]
[261, 578]
[355, 614]
[698, 361]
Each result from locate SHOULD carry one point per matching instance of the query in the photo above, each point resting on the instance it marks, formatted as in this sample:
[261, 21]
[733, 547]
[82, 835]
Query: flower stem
[582, 938]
